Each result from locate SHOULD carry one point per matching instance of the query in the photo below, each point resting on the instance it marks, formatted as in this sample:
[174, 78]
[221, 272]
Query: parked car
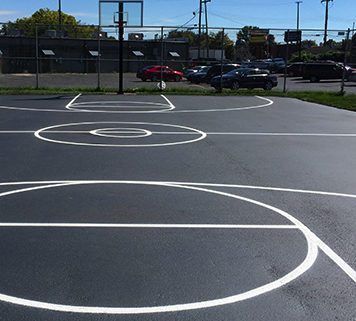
[277, 66]
[186, 72]
[246, 78]
[215, 70]
[154, 73]
[293, 70]
[352, 77]
[329, 70]
[199, 76]
[259, 63]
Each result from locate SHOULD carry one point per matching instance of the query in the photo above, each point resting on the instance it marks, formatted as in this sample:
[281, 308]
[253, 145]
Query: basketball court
[176, 208]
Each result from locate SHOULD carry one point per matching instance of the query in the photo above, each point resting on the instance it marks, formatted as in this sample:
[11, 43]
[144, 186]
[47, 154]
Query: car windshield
[204, 69]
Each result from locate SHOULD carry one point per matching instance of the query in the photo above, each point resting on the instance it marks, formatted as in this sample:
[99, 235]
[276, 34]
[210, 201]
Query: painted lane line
[149, 226]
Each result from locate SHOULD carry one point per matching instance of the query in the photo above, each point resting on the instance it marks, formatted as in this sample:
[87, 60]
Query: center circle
[121, 132]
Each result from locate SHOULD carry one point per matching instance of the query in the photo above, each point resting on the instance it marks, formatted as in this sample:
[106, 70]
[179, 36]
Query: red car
[154, 73]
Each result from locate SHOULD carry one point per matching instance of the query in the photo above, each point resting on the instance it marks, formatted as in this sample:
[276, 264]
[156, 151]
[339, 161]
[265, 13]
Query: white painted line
[282, 134]
[269, 188]
[269, 103]
[313, 244]
[169, 102]
[70, 107]
[102, 106]
[73, 100]
[188, 133]
[149, 226]
[336, 258]
[303, 267]
[41, 132]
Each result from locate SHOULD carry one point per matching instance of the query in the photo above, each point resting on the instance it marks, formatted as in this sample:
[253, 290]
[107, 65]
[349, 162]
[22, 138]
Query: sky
[272, 14]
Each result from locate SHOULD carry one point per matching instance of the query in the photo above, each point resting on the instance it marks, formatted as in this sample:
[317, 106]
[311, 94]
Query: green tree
[193, 37]
[352, 47]
[48, 20]
[215, 42]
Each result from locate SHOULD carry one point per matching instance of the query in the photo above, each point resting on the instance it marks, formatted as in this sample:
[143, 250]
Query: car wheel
[154, 78]
[143, 79]
[177, 78]
[291, 74]
[235, 85]
[268, 85]
[314, 78]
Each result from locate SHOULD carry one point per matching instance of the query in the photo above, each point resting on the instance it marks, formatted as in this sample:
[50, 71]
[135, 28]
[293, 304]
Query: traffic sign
[293, 36]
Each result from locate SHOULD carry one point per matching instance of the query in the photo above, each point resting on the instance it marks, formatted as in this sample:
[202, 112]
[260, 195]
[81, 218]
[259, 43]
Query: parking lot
[124, 207]
[130, 81]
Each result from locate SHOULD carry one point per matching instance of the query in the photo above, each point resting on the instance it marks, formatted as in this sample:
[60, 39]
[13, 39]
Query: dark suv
[316, 71]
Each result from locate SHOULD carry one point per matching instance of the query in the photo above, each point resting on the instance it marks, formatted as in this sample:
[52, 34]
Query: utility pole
[207, 29]
[199, 34]
[298, 3]
[326, 19]
[200, 25]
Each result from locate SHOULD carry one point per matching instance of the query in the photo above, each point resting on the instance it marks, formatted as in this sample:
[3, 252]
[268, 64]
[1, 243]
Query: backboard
[130, 11]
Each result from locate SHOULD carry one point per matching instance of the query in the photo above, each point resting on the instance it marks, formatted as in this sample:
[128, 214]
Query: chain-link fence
[93, 52]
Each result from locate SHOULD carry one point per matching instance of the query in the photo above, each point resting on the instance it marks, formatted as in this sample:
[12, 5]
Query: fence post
[37, 63]
[222, 58]
[342, 92]
[98, 59]
[285, 69]
[162, 53]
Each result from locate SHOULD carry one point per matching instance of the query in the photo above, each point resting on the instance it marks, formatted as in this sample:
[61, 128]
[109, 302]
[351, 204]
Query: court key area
[125, 207]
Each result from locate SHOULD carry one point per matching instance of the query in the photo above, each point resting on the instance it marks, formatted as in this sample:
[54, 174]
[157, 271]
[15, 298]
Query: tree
[193, 37]
[49, 19]
[352, 47]
[215, 42]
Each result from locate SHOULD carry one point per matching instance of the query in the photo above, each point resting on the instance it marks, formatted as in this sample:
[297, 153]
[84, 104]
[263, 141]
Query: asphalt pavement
[124, 207]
